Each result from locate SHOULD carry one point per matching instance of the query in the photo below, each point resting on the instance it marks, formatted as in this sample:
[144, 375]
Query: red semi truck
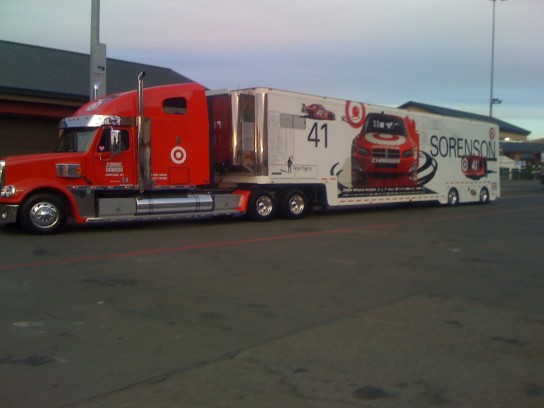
[178, 151]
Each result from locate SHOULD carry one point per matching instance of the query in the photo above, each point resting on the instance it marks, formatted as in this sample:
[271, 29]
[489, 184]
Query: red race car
[384, 146]
[474, 167]
[318, 112]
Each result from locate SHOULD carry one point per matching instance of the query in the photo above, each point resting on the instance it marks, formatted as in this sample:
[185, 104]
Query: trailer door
[250, 147]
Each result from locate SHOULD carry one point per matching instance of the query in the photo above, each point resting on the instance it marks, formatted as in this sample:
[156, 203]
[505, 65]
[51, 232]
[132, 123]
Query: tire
[453, 197]
[262, 206]
[43, 214]
[484, 195]
[294, 204]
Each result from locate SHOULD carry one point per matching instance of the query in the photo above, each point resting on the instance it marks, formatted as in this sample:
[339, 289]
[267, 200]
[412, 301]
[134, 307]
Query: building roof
[503, 126]
[38, 71]
[522, 147]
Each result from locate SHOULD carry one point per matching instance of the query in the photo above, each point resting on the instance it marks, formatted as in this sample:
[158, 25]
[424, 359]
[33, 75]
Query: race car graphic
[385, 149]
[474, 167]
[318, 112]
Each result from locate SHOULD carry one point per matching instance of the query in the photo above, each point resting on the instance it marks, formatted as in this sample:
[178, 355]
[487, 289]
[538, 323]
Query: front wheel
[43, 214]
[262, 206]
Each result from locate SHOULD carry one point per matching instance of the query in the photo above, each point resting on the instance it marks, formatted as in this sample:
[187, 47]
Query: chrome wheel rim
[44, 215]
[296, 204]
[484, 195]
[452, 197]
[264, 206]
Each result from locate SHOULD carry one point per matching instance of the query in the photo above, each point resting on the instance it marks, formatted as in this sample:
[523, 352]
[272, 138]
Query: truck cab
[109, 156]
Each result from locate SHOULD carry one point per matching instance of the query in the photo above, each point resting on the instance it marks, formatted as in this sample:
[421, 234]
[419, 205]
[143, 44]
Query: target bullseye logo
[464, 164]
[384, 139]
[355, 114]
[178, 155]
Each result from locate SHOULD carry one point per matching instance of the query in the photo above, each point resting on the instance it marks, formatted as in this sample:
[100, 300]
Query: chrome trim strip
[95, 121]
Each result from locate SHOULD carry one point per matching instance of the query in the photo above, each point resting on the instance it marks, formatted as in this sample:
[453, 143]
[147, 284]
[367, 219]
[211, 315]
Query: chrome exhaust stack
[141, 94]
[144, 140]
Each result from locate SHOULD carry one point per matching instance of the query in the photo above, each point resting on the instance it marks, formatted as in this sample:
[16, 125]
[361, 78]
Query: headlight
[409, 153]
[361, 150]
[7, 191]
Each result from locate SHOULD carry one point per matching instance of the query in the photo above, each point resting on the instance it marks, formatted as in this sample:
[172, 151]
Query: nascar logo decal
[355, 114]
[385, 139]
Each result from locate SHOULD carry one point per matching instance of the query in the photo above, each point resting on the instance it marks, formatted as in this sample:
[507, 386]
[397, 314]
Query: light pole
[97, 57]
[492, 100]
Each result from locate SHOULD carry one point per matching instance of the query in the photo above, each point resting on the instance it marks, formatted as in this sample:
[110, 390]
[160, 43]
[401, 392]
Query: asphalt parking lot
[414, 306]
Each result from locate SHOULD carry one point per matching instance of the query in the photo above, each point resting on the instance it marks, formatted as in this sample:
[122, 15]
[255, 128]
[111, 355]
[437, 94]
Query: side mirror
[115, 143]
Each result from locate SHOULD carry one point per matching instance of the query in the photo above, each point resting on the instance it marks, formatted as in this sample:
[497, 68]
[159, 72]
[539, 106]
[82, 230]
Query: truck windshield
[75, 139]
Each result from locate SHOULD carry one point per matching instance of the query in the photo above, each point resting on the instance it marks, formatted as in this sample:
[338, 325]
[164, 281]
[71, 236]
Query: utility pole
[492, 100]
[98, 56]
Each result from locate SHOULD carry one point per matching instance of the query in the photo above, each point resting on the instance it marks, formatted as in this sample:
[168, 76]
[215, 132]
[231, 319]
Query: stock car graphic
[316, 111]
[384, 148]
[474, 167]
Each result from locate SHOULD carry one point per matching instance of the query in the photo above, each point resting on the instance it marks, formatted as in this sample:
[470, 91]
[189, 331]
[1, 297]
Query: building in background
[39, 86]
[507, 131]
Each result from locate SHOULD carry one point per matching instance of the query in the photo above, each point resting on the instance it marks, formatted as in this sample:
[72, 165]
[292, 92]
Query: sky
[385, 52]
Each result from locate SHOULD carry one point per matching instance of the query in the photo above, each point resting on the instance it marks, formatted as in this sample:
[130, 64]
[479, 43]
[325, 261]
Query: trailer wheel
[484, 195]
[262, 206]
[43, 214]
[453, 197]
[294, 204]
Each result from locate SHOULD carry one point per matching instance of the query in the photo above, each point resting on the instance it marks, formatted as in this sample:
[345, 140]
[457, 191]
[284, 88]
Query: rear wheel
[453, 197]
[43, 214]
[262, 206]
[484, 195]
[294, 204]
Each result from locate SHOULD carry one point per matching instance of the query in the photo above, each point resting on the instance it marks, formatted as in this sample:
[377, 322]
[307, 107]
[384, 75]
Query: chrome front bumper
[8, 213]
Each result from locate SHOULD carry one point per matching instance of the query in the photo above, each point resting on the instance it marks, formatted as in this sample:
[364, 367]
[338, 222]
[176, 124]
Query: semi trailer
[181, 151]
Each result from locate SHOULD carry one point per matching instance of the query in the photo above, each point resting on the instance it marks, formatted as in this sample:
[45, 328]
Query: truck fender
[29, 187]
[244, 199]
